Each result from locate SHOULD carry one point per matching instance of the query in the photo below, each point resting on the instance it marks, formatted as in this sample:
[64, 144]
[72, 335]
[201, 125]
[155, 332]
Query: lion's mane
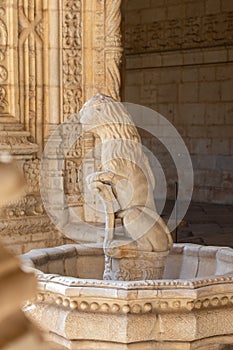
[104, 111]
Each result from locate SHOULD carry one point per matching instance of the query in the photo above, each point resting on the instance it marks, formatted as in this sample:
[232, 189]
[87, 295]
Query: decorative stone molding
[54, 55]
[72, 57]
[159, 308]
[194, 32]
[8, 78]
[113, 52]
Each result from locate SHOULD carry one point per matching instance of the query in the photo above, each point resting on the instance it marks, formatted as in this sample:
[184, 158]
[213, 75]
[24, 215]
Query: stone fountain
[135, 290]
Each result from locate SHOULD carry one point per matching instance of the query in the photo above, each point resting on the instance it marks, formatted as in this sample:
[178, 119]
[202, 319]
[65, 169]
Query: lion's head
[111, 121]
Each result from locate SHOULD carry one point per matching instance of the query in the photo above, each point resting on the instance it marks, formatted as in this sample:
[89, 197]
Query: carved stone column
[54, 55]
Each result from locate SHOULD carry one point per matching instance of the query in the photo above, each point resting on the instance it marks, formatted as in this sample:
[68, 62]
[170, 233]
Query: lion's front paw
[91, 178]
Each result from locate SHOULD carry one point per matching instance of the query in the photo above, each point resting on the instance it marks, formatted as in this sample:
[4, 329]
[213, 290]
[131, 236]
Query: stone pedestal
[144, 266]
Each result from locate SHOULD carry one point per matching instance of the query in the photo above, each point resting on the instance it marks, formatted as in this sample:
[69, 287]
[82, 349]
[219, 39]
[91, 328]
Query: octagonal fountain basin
[190, 308]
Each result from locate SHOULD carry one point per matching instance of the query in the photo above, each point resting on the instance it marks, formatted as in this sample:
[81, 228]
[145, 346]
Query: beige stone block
[224, 163]
[224, 72]
[228, 113]
[168, 110]
[151, 60]
[172, 59]
[224, 261]
[227, 91]
[231, 146]
[132, 94]
[214, 114]
[230, 54]
[207, 261]
[70, 266]
[190, 262]
[220, 131]
[149, 93]
[151, 77]
[176, 11]
[221, 146]
[195, 57]
[167, 93]
[227, 5]
[206, 162]
[212, 6]
[197, 131]
[190, 114]
[189, 74]
[90, 268]
[132, 18]
[151, 15]
[157, 3]
[209, 91]
[195, 9]
[134, 77]
[133, 62]
[139, 5]
[170, 75]
[213, 56]
[207, 73]
[188, 92]
[56, 267]
[201, 146]
[174, 263]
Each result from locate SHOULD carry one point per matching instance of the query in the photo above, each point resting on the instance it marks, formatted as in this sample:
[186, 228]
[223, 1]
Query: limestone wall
[54, 55]
[179, 61]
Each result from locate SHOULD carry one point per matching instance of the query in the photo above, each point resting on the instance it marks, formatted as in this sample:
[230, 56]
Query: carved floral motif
[72, 57]
[32, 66]
[30, 205]
[31, 173]
[3, 49]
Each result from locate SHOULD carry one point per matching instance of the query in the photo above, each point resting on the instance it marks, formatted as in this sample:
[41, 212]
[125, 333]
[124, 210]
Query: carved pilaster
[102, 49]
[72, 57]
[113, 50]
[32, 66]
[8, 55]
[54, 55]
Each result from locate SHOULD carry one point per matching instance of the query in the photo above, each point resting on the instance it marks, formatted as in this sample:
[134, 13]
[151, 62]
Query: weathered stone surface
[184, 310]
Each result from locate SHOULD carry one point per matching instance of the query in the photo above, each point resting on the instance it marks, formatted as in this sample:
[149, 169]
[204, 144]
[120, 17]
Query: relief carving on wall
[113, 49]
[187, 33]
[3, 68]
[25, 80]
[32, 66]
[72, 57]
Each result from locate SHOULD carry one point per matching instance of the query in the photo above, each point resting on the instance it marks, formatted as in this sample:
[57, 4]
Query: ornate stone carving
[33, 225]
[113, 49]
[182, 309]
[28, 206]
[127, 178]
[4, 34]
[3, 99]
[3, 74]
[42, 81]
[140, 268]
[72, 57]
[3, 70]
[195, 32]
[32, 67]
[32, 172]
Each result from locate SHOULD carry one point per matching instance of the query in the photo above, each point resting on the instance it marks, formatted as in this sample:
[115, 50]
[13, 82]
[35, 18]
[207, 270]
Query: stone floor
[204, 223]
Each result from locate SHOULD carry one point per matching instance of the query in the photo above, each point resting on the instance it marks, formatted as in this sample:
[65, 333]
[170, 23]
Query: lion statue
[126, 175]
